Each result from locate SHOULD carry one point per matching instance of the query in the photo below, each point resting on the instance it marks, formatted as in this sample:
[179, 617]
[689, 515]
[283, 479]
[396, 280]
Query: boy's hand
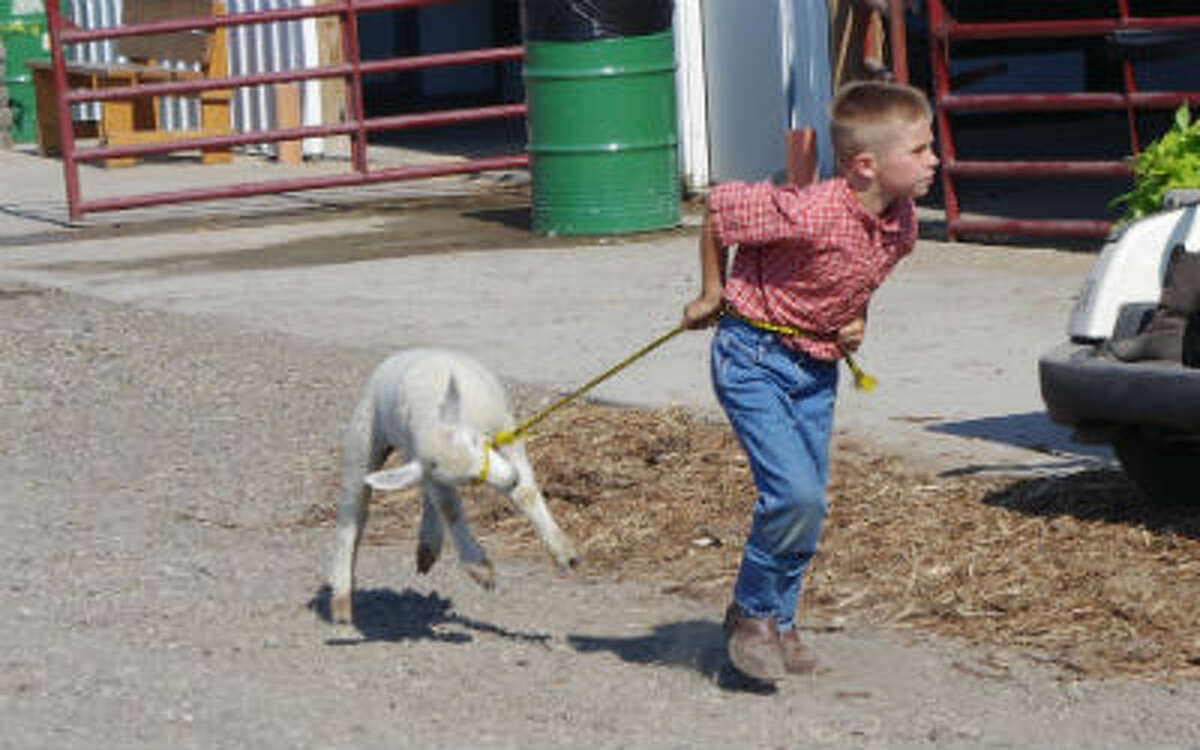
[702, 311]
[850, 336]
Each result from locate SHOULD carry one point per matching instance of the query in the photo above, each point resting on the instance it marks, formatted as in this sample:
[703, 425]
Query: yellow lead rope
[862, 380]
[504, 437]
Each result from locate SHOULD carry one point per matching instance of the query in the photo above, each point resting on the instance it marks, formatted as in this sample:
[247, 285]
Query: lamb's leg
[528, 498]
[429, 538]
[362, 453]
[470, 554]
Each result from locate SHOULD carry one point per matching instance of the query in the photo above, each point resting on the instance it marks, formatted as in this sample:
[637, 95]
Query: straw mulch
[1076, 570]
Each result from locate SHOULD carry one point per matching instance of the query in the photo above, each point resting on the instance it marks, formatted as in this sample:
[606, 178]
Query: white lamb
[439, 409]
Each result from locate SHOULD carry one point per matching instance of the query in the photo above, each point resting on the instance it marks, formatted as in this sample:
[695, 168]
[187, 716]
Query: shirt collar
[890, 221]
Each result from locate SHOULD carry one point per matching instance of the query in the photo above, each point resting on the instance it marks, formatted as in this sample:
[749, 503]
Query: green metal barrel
[24, 35]
[602, 140]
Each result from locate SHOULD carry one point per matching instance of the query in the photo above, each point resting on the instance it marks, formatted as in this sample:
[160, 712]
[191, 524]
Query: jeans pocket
[813, 376]
[735, 357]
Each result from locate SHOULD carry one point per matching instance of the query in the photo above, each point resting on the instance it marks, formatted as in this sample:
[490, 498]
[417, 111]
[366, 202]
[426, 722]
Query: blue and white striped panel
[255, 48]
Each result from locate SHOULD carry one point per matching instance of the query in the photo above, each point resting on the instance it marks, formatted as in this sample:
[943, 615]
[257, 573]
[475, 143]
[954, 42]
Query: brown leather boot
[753, 644]
[797, 658]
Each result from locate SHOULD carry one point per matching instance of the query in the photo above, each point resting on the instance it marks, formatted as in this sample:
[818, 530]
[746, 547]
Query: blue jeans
[780, 404]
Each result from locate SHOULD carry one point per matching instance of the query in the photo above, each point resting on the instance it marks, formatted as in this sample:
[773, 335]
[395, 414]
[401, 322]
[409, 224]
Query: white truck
[1148, 410]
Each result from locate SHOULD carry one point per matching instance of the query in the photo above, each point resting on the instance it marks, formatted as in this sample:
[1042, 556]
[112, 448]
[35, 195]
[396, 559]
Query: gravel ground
[163, 592]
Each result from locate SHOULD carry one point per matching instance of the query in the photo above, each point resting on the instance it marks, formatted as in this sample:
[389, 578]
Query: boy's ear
[449, 408]
[861, 164]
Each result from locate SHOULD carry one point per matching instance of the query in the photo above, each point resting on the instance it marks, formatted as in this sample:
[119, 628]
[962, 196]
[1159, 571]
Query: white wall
[744, 74]
[691, 96]
[747, 71]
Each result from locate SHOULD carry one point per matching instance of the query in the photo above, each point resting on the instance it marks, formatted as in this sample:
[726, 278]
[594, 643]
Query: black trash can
[585, 20]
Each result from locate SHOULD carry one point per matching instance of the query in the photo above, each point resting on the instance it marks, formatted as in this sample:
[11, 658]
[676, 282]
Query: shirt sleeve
[751, 213]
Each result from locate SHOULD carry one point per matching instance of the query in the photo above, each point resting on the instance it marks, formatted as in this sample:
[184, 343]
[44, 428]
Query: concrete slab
[953, 337]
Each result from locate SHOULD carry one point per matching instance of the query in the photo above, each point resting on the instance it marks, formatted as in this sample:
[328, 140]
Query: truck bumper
[1083, 388]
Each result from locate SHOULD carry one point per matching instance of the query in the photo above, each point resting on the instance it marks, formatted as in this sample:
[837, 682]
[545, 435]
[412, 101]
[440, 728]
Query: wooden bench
[132, 121]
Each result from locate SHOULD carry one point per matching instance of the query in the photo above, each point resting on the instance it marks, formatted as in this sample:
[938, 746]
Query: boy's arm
[702, 311]
[759, 213]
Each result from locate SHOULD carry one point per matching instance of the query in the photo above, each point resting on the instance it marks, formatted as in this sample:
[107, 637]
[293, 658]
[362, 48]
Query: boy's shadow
[692, 644]
[385, 615]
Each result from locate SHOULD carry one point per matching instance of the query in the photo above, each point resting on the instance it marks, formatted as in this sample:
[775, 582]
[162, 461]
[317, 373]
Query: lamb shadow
[387, 615]
[1104, 495]
[692, 644]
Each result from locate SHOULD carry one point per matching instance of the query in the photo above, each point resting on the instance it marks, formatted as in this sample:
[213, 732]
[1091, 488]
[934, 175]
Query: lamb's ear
[399, 478]
[449, 408]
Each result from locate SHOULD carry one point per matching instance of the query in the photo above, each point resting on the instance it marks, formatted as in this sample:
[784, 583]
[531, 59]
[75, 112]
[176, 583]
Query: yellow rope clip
[862, 380]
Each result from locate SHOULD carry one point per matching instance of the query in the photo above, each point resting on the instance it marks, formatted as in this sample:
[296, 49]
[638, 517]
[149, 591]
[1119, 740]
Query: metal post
[1130, 86]
[939, 52]
[66, 129]
[354, 92]
[897, 34]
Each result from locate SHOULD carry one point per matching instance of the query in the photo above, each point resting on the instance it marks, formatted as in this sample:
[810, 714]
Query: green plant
[1172, 161]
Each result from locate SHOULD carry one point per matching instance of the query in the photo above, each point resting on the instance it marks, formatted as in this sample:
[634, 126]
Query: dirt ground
[164, 545]
[1077, 568]
[170, 476]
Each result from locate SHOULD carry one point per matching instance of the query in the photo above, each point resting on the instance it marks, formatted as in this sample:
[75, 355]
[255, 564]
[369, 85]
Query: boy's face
[905, 167]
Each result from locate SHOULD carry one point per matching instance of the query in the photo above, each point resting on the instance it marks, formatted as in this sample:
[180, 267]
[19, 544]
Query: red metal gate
[944, 30]
[356, 125]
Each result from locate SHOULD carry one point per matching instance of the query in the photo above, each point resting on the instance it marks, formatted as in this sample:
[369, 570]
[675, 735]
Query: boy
[796, 297]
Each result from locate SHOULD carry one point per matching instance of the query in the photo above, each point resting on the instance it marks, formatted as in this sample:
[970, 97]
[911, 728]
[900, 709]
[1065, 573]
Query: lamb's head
[449, 451]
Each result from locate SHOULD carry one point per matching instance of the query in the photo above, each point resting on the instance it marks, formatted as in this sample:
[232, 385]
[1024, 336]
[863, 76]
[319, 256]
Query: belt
[786, 330]
[862, 380]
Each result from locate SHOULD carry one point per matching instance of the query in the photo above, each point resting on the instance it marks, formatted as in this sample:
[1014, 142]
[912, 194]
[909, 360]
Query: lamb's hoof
[426, 557]
[567, 558]
[340, 610]
[482, 573]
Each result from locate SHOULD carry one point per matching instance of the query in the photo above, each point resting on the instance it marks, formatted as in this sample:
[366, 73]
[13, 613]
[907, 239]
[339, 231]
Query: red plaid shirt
[807, 257]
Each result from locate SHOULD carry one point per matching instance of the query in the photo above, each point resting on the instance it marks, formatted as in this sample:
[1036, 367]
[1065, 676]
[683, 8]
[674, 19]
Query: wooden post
[117, 116]
[215, 105]
[287, 115]
[802, 156]
[333, 90]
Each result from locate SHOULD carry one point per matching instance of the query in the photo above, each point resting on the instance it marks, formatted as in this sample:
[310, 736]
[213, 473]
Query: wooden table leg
[117, 117]
[47, 113]
[214, 120]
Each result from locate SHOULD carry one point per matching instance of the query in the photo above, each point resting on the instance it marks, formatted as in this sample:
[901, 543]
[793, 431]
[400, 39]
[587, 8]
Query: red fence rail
[356, 125]
[945, 30]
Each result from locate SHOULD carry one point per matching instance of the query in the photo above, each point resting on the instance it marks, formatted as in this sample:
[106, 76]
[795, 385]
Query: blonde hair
[864, 115]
